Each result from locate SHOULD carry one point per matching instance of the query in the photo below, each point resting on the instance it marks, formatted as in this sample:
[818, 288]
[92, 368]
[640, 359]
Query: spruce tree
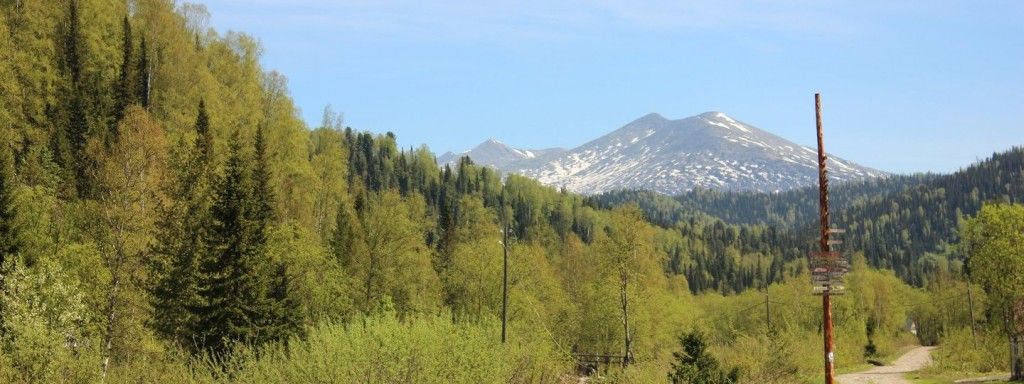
[344, 238]
[204, 137]
[124, 91]
[77, 125]
[244, 299]
[144, 76]
[10, 242]
[279, 312]
[230, 287]
[180, 243]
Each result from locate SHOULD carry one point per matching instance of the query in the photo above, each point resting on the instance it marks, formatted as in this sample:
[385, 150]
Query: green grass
[945, 378]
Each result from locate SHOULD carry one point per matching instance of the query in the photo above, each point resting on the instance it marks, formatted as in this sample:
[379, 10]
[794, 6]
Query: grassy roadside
[946, 378]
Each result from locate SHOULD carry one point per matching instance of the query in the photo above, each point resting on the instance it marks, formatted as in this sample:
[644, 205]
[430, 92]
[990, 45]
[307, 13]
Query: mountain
[710, 151]
[496, 154]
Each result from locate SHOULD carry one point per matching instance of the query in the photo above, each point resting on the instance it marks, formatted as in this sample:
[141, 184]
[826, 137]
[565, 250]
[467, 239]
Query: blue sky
[906, 86]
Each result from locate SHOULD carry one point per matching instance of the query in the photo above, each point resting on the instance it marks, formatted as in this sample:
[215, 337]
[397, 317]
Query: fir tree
[144, 75]
[77, 125]
[243, 302]
[180, 243]
[10, 242]
[124, 93]
[230, 289]
[204, 137]
[344, 238]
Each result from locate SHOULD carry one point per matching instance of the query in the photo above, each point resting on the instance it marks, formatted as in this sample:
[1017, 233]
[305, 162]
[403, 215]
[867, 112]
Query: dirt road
[891, 374]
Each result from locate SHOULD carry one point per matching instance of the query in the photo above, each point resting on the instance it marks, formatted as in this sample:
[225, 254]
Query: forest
[166, 216]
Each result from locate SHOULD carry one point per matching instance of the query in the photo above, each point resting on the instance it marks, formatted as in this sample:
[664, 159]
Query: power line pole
[504, 275]
[826, 302]
[970, 306]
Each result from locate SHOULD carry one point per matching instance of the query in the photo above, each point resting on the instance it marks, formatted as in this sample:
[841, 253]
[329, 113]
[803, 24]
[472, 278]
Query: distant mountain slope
[496, 154]
[906, 223]
[710, 150]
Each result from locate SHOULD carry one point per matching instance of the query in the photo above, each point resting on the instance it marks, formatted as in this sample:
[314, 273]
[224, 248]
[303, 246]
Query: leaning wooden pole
[826, 302]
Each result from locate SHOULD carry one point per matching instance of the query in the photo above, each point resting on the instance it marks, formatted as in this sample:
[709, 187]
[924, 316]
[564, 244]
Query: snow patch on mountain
[710, 150]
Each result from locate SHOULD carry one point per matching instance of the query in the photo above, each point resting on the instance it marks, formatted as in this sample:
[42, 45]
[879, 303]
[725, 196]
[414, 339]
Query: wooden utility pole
[826, 302]
[970, 307]
[504, 274]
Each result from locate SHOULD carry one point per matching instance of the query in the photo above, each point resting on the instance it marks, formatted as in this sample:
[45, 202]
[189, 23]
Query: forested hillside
[903, 223]
[165, 216]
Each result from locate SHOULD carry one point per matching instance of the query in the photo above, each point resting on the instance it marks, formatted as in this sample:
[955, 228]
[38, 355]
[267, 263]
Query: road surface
[911, 361]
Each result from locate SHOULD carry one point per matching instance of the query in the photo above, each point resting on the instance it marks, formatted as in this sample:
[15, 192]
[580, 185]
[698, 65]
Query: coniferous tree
[180, 243]
[124, 91]
[343, 240]
[279, 313]
[231, 289]
[77, 124]
[9, 237]
[144, 75]
[243, 299]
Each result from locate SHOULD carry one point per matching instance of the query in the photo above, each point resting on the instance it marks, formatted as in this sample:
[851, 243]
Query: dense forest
[905, 223]
[165, 216]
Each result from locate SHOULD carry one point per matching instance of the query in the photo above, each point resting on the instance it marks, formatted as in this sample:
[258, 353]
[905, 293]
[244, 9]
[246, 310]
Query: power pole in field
[504, 274]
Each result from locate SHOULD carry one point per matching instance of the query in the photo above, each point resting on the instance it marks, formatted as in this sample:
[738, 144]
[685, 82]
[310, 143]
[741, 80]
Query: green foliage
[243, 300]
[382, 348]
[43, 339]
[694, 365]
[10, 238]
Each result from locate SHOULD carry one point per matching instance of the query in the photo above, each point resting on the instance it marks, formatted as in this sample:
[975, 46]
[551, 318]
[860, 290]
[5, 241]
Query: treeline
[903, 223]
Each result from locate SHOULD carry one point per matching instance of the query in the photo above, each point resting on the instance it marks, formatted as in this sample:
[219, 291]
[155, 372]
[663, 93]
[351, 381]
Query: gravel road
[891, 374]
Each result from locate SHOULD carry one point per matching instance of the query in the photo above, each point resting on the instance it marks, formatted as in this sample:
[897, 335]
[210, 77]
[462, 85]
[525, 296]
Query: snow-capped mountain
[710, 150]
[494, 153]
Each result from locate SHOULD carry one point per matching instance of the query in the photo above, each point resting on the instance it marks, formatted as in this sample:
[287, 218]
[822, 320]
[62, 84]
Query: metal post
[504, 275]
[826, 302]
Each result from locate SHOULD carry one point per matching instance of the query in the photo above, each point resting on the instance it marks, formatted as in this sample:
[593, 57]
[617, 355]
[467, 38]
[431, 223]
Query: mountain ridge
[710, 150]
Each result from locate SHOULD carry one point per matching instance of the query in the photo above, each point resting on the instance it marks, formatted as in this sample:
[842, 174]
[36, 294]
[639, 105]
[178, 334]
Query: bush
[694, 365]
[384, 349]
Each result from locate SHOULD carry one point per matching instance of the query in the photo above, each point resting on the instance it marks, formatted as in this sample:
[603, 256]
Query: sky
[907, 86]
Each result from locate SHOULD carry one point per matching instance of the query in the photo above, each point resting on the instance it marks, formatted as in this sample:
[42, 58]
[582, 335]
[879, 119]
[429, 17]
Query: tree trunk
[625, 318]
[1016, 360]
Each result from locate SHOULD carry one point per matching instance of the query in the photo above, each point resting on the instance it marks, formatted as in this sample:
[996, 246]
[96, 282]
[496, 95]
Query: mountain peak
[709, 150]
[651, 117]
[714, 115]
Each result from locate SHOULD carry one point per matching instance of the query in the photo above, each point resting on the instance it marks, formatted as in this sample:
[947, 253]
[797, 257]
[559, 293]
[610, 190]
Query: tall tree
[347, 235]
[125, 92]
[180, 242]
[230, 287]
[10, 240]
[143, 82]
[77, 123]
[241, 302]
[995, 245]
[628, 251]
[128, 186]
